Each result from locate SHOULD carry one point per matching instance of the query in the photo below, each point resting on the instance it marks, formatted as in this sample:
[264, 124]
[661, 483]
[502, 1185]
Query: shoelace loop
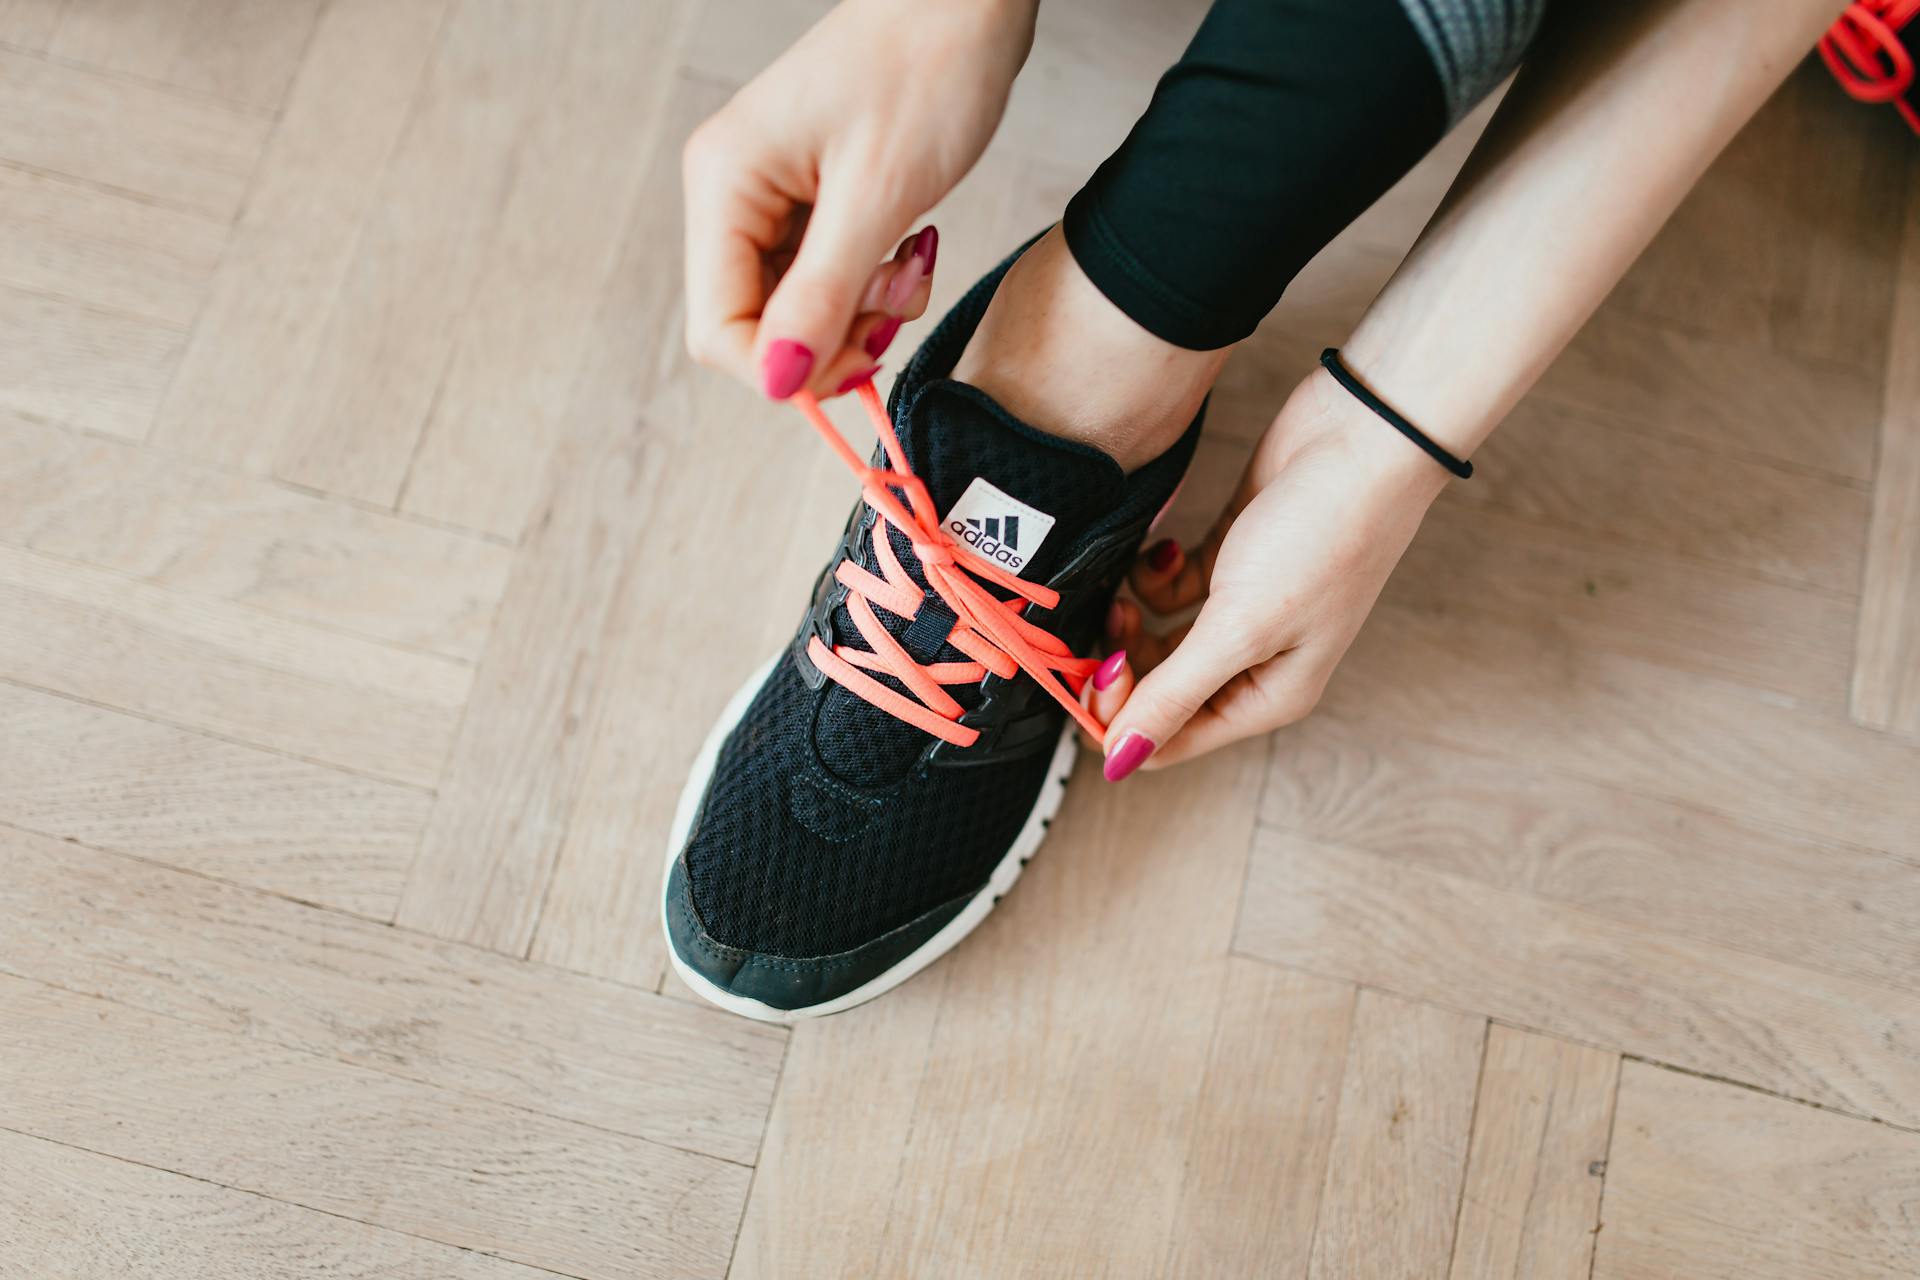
[1864, 51]
[989, 631]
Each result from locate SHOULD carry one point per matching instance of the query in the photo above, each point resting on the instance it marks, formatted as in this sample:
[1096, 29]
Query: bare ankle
[1059, 355]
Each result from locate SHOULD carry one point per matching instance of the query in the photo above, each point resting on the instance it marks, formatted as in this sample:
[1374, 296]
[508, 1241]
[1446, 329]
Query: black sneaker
[826, 848]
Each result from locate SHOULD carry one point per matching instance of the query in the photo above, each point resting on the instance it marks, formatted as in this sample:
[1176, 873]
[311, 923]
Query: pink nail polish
[905, 283]
[865, 375]
[1109, 671]
[1127, 755]
[784, 369]
[882, 336]
[926, 246]
[1161, 557]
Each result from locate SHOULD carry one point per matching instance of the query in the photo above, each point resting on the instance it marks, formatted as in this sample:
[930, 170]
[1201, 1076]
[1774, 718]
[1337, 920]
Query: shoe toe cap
[781, 988]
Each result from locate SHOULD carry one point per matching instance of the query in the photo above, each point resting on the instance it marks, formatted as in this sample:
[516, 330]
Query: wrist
[1324, 418]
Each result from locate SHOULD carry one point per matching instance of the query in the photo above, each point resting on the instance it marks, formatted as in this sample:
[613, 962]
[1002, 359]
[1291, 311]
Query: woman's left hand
[1328, 503]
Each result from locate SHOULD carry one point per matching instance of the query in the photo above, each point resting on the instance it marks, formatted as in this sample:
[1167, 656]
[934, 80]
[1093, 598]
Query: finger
[1107, 692]
[728, 229]
[1281, 693]
[807, 320]
[1173, 693]
[900, 285]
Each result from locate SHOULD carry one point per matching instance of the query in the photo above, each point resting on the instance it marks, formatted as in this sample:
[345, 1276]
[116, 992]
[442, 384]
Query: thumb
[807, 320]
[1172, 694]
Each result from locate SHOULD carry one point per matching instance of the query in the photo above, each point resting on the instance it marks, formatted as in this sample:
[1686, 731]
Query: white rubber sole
[1032, 832]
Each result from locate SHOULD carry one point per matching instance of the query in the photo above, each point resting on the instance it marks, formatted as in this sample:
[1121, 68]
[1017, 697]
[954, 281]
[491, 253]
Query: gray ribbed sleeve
[1474, 43]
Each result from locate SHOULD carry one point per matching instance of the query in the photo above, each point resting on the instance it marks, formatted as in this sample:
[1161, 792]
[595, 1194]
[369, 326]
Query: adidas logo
[998, 525]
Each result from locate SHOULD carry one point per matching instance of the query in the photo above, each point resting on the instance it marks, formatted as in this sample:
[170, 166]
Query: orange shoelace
[1864, 51]
[988, 630]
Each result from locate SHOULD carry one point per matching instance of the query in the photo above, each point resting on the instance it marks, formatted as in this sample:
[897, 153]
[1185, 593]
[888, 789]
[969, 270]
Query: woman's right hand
[813, 172]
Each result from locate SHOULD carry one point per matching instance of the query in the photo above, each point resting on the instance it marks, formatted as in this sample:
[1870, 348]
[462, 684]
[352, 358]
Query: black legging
[1280, 124]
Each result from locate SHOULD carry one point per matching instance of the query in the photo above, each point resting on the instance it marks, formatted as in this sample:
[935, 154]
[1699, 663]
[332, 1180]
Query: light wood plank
[243, 375]
[1541, 1126]
[1711, 1182]
[820, 1195]
[244, 51]
[220, 810]
[498, 413]
[462, 1019]
[1525, 693]
[72, 1214]
[1399, 1141]
[228, 536]
[1653, 602]
[384, 349]
[1736, 398]
[1664, 865]
[177, 149]
[1258, 1154]
[1043, 1136]
[1432, 936]
[1568, 469]
[1886, 683]
[354, 1142]
[227, 669]
[27, 25]
[1739, 258]
[93, 368]
[103, 249]
[516, 768]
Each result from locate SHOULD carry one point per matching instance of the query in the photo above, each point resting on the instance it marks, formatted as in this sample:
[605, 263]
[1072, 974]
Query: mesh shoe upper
[827, 822]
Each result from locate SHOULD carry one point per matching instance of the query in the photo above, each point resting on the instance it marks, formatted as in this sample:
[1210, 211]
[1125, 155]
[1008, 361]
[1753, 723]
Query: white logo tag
[997, 525]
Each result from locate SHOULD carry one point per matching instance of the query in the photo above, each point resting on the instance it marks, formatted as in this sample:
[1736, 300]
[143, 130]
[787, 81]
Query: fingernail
[1109, 670]
[784, 369]
[882, 336]
[905, 282]
[1127, 755]
[926, 247]
[1161, 557]
[865, 375]
[1116, 620]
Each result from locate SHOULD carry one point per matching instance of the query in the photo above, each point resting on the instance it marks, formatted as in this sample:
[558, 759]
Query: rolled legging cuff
[1131, 285]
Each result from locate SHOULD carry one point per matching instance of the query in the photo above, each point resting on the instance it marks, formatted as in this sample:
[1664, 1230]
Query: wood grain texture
[516, 767]
[1399, 1141]
[243, 376]
[1886, 682]
[227, 669]
[654, 707]
[65, 1212]
[1573, 471]
[390, 1152]
[1258, 1154]
[1055, 990]
[217, 534]
[1666, 866]
[222, 810]
[189, 152]
[27, 25]
[456, 1017]
[1541, 1126]
[1433, 936]
[105, 249]
[242, 51]
[1713, 1182]
[84, 365]
[1525, 692]
[1651, 601]
[382, 354]
[523, 332]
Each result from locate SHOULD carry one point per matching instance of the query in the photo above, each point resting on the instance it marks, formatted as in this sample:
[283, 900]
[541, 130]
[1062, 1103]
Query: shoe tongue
[1015, 495]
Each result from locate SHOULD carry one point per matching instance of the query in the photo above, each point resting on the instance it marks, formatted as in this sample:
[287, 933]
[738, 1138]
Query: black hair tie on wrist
[1331, 359]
